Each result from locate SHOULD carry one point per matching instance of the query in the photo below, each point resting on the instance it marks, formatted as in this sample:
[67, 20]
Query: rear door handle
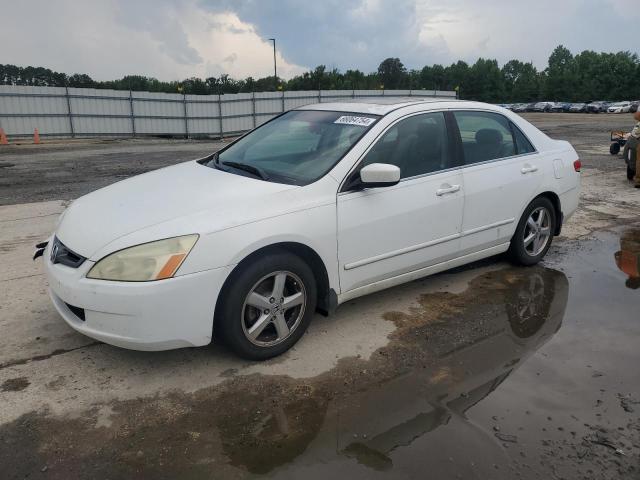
[528, 169]
[445, 189]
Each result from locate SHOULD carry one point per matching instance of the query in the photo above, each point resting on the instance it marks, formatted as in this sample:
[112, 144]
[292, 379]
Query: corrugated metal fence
[60, 111]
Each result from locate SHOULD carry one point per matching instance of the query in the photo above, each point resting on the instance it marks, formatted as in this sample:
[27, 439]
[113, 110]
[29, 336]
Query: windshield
[298, 147]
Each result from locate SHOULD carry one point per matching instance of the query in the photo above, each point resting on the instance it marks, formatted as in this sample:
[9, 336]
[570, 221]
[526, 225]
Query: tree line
[586, 76]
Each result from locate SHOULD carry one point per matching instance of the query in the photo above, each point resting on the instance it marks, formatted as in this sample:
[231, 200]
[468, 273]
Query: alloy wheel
[537, 231]
[273, 309]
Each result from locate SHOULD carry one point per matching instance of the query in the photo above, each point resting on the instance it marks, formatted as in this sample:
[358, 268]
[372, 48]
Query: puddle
[14, 384]
[628, 257]
[529, 373]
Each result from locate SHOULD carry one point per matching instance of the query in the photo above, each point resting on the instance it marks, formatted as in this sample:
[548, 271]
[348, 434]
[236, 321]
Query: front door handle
[445, 189]
[528, 169]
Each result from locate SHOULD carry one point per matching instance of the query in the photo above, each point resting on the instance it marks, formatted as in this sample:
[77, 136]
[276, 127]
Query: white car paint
[367, 240]
[620, 107]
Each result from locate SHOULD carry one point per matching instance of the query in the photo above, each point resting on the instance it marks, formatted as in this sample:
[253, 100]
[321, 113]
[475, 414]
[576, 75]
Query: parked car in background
[315, 207]
[530, 106]
[634, 106]
[597, 107]
[561, 107]
[578, 108]
[619, 107]
[520, 107]
[543, 106]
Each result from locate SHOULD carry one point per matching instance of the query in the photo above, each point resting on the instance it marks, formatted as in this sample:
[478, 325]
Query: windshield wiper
[258, 172]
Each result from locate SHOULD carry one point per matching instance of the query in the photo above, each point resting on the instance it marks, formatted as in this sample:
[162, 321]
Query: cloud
[160, 19]
[336, 33]
[176, 39]
[108, 39]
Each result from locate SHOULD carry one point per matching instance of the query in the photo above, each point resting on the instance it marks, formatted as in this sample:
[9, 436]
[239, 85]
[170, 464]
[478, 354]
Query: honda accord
[315, 207]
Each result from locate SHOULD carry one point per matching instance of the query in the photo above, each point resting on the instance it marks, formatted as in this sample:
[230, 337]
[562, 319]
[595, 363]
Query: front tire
[533, 236]
[267, 305]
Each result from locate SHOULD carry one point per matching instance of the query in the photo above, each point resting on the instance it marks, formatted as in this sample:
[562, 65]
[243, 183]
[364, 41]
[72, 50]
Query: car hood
[158, 197]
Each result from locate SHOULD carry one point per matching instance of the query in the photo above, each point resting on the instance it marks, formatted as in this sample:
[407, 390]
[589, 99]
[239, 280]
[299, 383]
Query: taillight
[577, 165]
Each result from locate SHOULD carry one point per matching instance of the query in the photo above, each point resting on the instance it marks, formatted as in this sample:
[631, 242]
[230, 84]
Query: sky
[177, 39]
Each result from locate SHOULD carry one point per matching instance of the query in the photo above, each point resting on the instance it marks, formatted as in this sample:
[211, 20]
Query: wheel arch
[327, 297]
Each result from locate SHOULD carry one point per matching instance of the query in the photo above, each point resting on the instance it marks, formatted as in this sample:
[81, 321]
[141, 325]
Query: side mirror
[379, 175]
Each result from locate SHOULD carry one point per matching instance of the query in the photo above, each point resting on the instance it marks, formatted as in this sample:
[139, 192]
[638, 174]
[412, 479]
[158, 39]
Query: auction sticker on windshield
[352, 120]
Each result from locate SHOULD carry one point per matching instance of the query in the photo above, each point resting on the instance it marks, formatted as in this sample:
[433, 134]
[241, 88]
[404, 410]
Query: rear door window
[485, 136]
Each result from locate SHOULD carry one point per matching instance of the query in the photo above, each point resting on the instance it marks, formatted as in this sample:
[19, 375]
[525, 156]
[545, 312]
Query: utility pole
[275, 71]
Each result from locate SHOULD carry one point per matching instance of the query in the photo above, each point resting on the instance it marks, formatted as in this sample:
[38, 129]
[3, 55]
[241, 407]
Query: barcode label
[352, 120]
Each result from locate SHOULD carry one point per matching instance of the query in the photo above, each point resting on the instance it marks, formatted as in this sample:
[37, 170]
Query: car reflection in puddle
[528, 313]
[448, 354]
[628, 258]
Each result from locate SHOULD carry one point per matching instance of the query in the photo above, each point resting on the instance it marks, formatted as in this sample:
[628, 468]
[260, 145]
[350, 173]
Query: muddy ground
[489, 371]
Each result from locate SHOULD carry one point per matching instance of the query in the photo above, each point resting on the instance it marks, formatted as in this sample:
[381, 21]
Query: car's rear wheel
[267, 306]
[533, 236]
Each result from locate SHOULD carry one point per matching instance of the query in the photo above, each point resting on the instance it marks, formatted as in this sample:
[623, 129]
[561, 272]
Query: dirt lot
[488, 371]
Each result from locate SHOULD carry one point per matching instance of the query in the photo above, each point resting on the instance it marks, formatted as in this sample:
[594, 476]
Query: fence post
[186, 119]
[73, 133]
[133, 118]
[283, 101]
[220, 116]
[319, 96]
[253, 108]
[353, 94]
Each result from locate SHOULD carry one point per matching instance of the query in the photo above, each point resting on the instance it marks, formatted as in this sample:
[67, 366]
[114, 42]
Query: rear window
[523, 145]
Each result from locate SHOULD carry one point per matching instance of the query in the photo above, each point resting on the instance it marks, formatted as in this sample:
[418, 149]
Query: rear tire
[267, 305]
[614, 149]
[534, 234]
[631, 174]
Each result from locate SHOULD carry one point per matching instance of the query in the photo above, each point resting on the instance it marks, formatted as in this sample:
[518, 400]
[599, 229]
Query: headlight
[142, 263]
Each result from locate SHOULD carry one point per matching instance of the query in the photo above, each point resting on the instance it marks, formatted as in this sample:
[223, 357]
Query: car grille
[65, 256]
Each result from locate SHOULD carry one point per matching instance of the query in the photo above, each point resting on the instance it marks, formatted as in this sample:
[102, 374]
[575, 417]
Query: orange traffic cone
[36, 136]
[3, 138]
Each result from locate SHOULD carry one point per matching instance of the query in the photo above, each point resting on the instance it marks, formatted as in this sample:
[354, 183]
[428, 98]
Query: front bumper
[160, 315]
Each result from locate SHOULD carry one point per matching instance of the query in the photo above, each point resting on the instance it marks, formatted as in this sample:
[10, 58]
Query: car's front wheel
[267, 305]
[534, 233]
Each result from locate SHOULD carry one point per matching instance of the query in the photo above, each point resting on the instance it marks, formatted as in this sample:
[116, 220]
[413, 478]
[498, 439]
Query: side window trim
[452, 145]
[512, 125]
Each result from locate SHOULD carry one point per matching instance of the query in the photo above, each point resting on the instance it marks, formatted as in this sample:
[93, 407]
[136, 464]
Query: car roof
[382, 105]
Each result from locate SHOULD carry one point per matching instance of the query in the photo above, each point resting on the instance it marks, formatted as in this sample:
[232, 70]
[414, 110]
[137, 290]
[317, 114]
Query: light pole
[275, 71]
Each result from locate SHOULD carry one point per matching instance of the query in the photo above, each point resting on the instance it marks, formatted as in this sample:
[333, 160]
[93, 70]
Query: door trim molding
[420, 246]
[501, 223]
[422, 272]
[401, 251]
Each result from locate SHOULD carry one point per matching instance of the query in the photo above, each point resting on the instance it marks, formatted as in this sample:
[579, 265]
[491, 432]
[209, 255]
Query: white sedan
[316, 207]
[619, 107]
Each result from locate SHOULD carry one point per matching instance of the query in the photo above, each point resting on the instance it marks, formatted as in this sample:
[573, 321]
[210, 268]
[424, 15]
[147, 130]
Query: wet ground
[528, 373]
[62, 169]
[485, 372]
